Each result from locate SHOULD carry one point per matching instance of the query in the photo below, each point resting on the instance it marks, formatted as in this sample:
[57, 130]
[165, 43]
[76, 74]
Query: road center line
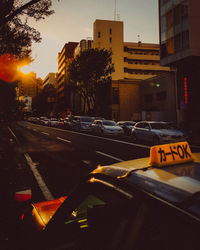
[45, 133]
[63, 139]
[47, 194]
[103, 138]
[110, 156]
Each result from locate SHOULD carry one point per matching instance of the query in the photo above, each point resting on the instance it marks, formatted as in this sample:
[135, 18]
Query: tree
[16, 36]
[89, 73]
[8, 103]
[44, 102]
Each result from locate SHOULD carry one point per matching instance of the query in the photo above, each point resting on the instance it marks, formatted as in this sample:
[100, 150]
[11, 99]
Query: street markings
[47, 194]
[44, 133]
[110, 156]
[61, 139]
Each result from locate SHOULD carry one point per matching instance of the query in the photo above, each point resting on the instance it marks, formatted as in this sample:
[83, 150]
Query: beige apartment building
[131, 60]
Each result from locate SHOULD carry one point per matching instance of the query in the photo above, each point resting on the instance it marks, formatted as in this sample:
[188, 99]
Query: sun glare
[25, 69]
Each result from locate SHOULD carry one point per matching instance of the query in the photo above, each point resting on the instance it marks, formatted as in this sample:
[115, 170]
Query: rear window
[109, 123]
[87, 119]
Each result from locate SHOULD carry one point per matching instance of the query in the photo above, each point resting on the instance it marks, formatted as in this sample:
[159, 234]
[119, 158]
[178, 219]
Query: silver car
[156, 132]
[106, 127]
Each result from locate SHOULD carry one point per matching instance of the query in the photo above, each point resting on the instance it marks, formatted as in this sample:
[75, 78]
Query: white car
[53, 122]
[156, 132]
[106, 127]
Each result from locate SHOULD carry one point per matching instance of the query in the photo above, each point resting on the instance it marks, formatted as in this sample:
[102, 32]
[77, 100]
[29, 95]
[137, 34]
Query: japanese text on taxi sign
[169, 154]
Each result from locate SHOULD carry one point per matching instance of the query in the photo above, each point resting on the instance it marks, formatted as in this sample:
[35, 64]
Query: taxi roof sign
[170, 154]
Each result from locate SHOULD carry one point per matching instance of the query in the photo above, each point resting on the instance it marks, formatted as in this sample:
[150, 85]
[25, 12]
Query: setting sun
[25, 69]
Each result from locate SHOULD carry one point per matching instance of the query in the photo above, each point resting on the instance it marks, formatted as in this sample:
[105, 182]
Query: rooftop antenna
[115, 12]
[139, 41]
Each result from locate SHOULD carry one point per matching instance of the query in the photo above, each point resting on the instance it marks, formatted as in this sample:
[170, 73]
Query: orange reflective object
[8, 67]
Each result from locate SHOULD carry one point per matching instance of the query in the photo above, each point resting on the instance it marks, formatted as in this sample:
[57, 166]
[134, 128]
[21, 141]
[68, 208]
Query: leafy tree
[44, 102]
[16, 36]
[89, 73]
[8, 101]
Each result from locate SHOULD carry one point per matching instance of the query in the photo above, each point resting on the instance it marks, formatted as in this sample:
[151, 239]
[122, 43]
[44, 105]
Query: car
[106, 127]
[154, 132]
[148, 203]
[45, 122]
[53, 122]
[68, 123]
[60, 123]
[82, 123]
[127, 126]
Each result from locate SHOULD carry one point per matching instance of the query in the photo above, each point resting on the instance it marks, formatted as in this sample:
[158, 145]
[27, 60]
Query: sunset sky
[73, 20]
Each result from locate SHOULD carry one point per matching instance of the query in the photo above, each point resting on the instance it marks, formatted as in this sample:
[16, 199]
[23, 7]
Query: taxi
[149, 203]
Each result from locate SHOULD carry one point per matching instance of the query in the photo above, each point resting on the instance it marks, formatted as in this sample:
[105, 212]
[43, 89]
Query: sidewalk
[13, 176]
[7, 172]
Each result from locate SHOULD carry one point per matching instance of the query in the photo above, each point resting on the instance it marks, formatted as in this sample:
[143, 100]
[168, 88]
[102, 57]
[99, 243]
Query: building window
[99, 34]
[148, 98]
[110, 31]
[110, 39]
[161, 96]
[115, 95]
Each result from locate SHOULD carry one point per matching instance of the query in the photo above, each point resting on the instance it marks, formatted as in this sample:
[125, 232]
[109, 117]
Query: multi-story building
[134, 61]
[83, 45]
[27, 85]
[179, 22]
[64, 58]
[131, 60]
[51, 79]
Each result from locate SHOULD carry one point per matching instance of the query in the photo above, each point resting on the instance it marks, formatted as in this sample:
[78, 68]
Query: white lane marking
[45, 133]
[103, 138]
[13, 135]
[110, 156]
[63, 139]
[47, 194]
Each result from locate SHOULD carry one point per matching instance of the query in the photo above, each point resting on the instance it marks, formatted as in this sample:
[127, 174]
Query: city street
[62, 157]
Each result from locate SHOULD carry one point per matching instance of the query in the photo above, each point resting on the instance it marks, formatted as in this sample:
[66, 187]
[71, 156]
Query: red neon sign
[185, 90]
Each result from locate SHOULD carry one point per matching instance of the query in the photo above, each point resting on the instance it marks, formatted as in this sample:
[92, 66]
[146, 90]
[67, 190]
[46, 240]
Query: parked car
[53, 122]
[82, 123]
[124, 206]
[45, 122]
[60, 123]
[106, 127]
[156, 132]
[68, 123]
[127, 126]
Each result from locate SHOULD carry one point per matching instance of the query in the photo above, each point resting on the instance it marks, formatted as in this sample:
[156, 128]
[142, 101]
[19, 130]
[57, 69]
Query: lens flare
[8, 67]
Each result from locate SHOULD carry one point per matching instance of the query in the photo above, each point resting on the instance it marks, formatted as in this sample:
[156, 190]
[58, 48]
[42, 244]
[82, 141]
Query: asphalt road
[58, 158]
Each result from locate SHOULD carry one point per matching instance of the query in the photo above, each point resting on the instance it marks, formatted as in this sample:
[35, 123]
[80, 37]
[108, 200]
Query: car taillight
[22, 216]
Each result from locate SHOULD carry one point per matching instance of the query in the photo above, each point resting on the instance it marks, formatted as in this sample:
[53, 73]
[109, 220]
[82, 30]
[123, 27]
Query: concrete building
[158, 99]
[64, 58]
[51, 79]
[131, 60]
[126, 100]
[28, 85]
[180, 48]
